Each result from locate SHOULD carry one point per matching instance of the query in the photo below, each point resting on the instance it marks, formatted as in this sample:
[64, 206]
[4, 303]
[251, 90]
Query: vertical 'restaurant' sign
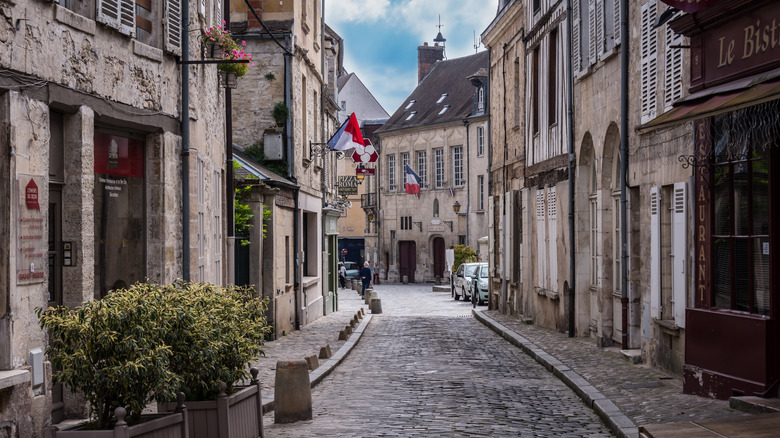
[31, 254]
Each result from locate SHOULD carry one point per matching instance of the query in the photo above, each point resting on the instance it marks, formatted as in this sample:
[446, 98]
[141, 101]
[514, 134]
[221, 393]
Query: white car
[461, 282]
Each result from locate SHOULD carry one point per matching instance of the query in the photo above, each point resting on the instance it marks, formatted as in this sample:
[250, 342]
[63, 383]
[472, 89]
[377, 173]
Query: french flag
[412, 182]
[348, 136]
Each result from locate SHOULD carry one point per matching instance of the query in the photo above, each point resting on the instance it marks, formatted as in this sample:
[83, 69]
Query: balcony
[368, 200]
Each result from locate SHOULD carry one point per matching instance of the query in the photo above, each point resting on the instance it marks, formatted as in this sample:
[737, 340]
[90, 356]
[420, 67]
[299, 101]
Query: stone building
[296, 59]
[95, 166]
[439, 132]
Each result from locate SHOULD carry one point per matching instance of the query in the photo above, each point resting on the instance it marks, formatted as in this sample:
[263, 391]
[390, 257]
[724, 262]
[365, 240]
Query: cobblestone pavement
[644, 394]
[307, 341]
[425, 367]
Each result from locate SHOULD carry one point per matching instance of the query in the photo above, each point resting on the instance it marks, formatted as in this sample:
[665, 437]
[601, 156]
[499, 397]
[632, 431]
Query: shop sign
[365, 171]
[746, 43]
[348, 185]
[32, 250]
[702, 217]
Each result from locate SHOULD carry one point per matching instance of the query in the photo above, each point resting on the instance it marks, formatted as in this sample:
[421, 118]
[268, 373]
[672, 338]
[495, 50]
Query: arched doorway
[438, 257]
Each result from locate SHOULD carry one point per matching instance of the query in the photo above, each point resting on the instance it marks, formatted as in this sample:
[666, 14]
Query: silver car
[463, 278]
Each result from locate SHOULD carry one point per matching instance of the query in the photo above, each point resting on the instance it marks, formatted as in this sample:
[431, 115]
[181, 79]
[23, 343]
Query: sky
[381, 38]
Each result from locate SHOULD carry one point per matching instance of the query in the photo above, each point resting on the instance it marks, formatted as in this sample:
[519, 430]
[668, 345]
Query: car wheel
[463, 294]
[455, 294]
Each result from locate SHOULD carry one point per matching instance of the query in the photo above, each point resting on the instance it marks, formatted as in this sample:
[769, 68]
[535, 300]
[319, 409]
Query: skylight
[411, 102]
[441, 99]
[444, 110]
[411, 115]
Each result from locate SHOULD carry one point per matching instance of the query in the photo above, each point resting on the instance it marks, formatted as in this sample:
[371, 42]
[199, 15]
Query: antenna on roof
[440, 40]
[476, 44]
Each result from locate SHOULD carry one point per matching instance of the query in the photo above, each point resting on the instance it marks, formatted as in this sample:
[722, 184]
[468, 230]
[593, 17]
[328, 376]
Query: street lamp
[370, 216]
[456, 206]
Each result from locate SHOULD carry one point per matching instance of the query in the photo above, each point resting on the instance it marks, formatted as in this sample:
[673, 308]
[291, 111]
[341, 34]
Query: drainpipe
[624, 168]
[504, 285]
[572, 158]
[185, 140]
[229, 190]
[468, 181]
[323, 184]
[297, 280]
[490, 164]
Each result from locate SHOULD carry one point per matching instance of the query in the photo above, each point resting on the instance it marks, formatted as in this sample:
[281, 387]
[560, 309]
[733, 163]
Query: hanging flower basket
[220, 44]
[212, 50]
[228, 79]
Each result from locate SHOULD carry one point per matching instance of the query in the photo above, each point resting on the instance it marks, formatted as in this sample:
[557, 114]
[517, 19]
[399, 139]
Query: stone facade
[69, 83]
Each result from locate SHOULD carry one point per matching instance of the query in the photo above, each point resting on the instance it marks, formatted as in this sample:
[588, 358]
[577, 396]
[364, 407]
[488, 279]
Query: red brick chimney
[426, 57]
[252, 22]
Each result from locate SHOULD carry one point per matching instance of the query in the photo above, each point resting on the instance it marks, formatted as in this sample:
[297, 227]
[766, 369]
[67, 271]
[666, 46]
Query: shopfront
[732, 320]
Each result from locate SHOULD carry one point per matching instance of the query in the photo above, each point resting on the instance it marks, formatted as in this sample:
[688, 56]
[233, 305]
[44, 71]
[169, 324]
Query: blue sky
[381, 38]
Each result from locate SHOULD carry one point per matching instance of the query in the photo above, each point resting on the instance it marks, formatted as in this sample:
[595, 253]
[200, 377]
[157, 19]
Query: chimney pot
[425, 44]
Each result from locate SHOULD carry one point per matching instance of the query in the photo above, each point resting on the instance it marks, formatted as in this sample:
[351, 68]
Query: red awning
[710, 105]
[690, 5]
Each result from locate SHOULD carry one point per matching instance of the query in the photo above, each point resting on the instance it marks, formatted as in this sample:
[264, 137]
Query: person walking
[365, 275]
[342, 275]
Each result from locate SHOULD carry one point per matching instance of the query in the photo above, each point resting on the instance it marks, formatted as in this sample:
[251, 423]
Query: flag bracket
[419, 225]
[320, 149]
[448, 223]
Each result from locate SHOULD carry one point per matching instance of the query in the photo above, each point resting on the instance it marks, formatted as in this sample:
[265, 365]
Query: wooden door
[438, 257]
[407, 253]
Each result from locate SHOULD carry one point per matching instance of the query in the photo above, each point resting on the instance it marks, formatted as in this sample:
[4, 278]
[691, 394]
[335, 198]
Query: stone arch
[585, 296]
[609, 192]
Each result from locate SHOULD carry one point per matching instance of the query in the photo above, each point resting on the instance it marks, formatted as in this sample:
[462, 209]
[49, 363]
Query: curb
[316, 376]
[615, 420]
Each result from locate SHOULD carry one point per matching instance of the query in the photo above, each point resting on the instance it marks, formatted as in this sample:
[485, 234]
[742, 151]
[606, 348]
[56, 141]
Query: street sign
[365, 154]
[365, 171]
[344, 251]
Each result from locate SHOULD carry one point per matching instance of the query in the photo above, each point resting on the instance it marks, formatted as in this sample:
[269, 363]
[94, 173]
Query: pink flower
[243, 43]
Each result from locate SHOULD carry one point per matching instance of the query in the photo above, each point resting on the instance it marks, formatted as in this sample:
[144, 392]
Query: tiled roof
[250, 169]
[450, 77]
[342, 80]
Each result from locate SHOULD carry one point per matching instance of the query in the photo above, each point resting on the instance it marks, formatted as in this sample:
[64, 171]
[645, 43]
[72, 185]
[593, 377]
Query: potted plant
[115, 352]
[218, 331]
[219, 44]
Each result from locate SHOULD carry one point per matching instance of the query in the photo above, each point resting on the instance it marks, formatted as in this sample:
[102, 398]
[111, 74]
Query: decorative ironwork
[419, 225]
[448, 223]
[320, 149]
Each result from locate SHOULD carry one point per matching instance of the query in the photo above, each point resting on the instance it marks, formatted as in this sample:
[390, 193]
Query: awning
[706, 104]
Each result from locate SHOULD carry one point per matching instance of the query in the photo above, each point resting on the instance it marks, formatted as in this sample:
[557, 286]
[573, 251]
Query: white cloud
[389, 84]
[355, 11]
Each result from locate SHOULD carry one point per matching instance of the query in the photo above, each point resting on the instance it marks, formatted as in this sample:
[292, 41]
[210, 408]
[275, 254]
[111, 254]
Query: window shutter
[673, 68]
[509, 200]
[502, 245]
[541, 249]
[616, 10]
[119, 14]
[576, 58]
[600, 27]
[592, 46]
[173, 36]
[655, 253]
[552, 241]
[492, 236]
[649, 61]
[679, 250]
[218, 12]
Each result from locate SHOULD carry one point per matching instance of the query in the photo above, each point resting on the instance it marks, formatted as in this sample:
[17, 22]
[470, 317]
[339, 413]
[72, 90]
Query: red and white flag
[348, 136]
[412, 182]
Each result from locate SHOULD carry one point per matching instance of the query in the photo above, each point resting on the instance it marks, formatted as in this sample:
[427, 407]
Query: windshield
[483, 273]
[471, 269]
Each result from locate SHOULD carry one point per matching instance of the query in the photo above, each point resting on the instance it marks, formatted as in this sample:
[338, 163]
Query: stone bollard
[362, 312]
[348, 329]
[376, 306]
[405, 279]
[325, 352]
[352, 323]
[369, 293]
[312, 362]
[358, 316]
[343, 336]
[292, 395]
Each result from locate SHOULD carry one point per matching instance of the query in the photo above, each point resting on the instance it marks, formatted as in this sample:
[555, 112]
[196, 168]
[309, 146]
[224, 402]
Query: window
[391, 183]
[552, 83]
[409, 105]
[480, 141]
[462, 239]
[406, 222]
[201, 220]
[412, 114]
[742, 206]
[441, 99]
[435, 208]
[518, 103]
[404, 163]
[481, 99]
[444, 110]
[457, 166]
[119, 14]
[438, 162]
[649, 61]
[593, 202]
[481, 193]
[217, 227]
[577, 36]
[668, 248]
[673, 68]
[535, 91]
[537, 4]
[343, 105]
[421, 169]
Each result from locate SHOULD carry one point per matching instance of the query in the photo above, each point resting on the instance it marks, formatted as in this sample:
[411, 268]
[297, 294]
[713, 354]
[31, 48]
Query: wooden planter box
[239, 415]
[171, 425]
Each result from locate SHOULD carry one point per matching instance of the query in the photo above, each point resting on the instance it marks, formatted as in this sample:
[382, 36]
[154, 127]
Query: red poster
[31, 196]
[118, 156]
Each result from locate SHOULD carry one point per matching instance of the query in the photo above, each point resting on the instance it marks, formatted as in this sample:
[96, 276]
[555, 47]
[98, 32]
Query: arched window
[481, 99]
[435, 208]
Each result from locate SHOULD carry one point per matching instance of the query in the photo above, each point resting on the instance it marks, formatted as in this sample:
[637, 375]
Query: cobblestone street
[426, 367]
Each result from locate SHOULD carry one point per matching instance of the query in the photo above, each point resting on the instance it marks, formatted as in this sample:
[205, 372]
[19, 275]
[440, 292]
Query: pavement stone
[643, 394]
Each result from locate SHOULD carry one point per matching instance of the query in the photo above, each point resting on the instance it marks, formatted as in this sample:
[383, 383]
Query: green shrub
[150, 341]
[463, 254]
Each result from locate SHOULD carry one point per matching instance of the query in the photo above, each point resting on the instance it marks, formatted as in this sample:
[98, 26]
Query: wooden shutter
[679, 251]
[119, 14]
[616, 13]
[541, 232]
[600, 27]
[673, 68]
[552, 240]
[509, 202]
[655, 253]
[576, 57]
[501, 236]
[491, 234]
[649, 54]
[592, 46]
[218, 11]
[173, 26]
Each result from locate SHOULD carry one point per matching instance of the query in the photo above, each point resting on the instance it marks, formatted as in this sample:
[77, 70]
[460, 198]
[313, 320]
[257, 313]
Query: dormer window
[441, 99]
[411, 115]
[444, 110]
[411, 102]
[481, 99]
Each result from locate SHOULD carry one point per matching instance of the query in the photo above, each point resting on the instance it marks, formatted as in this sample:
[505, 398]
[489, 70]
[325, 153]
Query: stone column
[255, 203]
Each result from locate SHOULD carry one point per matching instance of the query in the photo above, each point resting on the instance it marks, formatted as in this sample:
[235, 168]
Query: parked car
[352, 270]
[461, 284]
[479, 294]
